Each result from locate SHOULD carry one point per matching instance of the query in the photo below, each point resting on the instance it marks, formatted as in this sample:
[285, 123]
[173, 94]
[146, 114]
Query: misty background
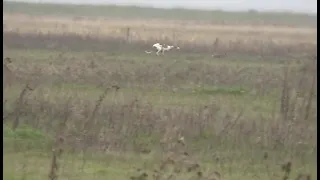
[300, 6]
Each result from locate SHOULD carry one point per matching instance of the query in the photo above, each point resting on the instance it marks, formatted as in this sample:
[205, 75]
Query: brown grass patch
[177, 31]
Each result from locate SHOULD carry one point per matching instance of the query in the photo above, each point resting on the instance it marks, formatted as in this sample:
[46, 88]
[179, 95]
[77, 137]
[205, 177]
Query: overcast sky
[305, 6]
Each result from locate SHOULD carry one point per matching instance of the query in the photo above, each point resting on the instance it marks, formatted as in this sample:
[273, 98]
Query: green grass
[94, 170]
[194, 97]
[218, 16]
[221, 90]
[28, 162]
[132, 58]
[25, 133]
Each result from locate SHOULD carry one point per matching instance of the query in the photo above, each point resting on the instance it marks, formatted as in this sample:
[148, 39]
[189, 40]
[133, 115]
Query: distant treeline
[211, 16]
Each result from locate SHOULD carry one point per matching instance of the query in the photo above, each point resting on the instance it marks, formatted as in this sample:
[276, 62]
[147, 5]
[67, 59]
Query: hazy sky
[306, 6]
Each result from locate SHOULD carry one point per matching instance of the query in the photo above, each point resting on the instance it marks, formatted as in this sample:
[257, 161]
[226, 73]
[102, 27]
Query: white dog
[163, 48]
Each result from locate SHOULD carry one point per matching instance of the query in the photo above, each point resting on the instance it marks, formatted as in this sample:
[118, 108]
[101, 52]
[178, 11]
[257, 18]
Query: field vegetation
[82, 100]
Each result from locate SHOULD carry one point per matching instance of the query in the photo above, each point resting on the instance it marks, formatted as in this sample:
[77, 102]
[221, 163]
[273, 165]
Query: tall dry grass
[123, 123]
[192, 37]
[178, 135]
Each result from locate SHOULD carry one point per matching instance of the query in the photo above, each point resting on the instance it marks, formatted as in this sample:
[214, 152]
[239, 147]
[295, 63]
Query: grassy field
[84, 105]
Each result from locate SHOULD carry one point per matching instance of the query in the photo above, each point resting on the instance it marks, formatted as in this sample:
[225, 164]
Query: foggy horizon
[297, 6]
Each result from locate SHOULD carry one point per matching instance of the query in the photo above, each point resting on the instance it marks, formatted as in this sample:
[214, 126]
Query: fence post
[128, 35]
